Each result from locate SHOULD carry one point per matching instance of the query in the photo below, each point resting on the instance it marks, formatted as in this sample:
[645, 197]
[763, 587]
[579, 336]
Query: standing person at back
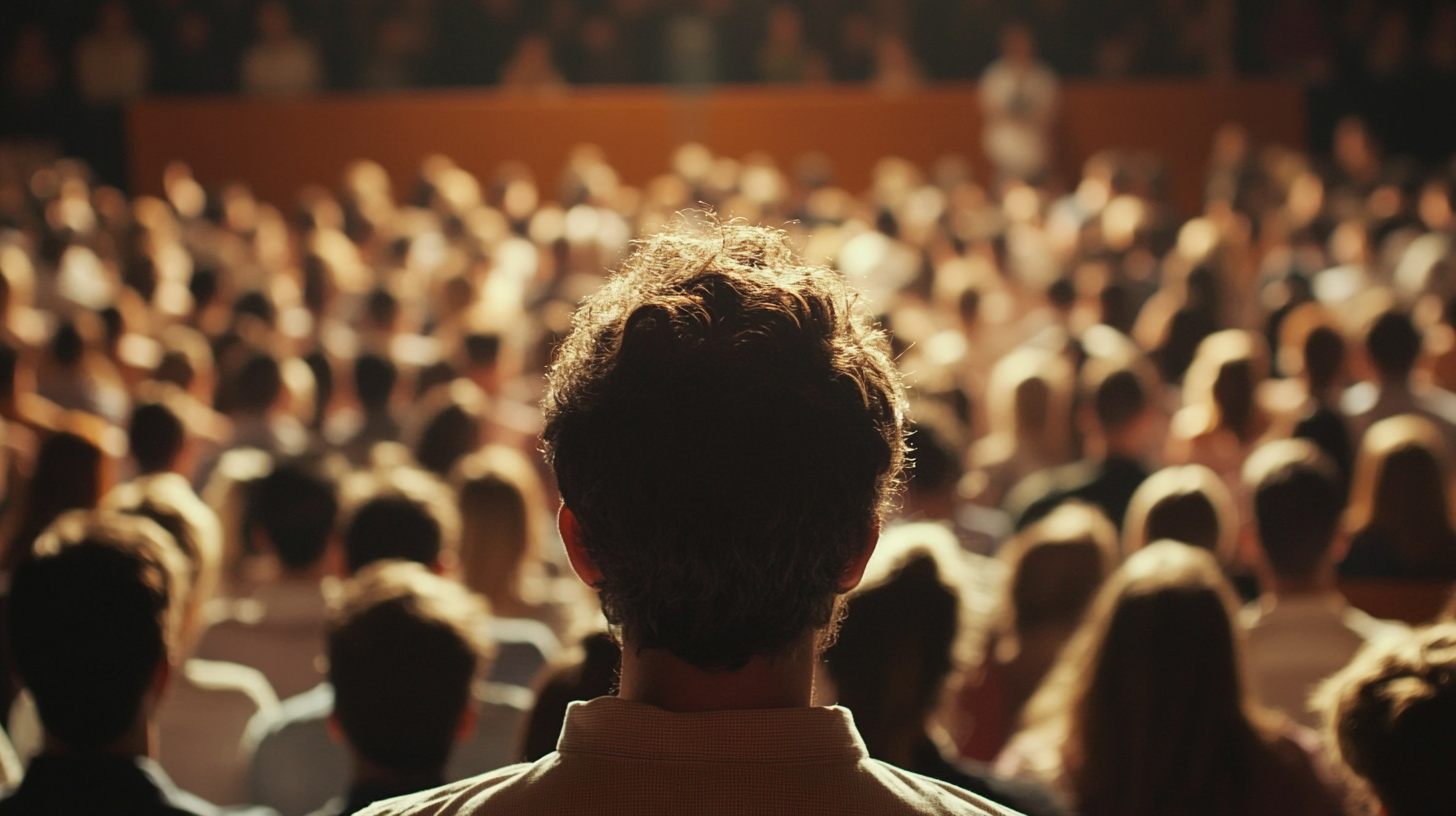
[1301, 630]
[726, 431]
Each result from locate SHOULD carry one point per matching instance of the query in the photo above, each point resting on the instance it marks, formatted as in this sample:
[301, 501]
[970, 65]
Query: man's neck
[659, 678]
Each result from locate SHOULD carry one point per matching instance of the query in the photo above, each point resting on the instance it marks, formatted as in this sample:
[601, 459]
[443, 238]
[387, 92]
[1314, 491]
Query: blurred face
[1017, 47]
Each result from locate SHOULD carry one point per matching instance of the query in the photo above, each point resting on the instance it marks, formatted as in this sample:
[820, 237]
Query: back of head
[1057, 566]
[67, 476]
[67, 345]
[1188, 503]
[453, 415]
[1298, 500]
[1324, 357]
[1400, 490]
[1154, 698]
[258, 383]
[402, 514]
[92, 615]
[501, 501]
[1389, 717]
[727, 429]
[296, 506]
[1394, 344]
[1119, 400]
[894, 649]
[403, 650]
[156, 435]
[374, 378]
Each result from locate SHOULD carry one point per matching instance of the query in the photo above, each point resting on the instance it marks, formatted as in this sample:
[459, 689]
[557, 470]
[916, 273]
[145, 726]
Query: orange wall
[277, 147]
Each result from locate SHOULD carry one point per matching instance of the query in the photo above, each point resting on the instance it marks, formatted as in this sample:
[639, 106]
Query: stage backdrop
[278, 147]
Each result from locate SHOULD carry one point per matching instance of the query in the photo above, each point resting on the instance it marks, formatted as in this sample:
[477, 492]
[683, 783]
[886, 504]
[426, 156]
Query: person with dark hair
[1312, 354]
[68, 377]
[95, 616]
[1116, 440]
[1147, 711]
[70, 473]
[1399, 519]
[449, 420]
[891, 659]
[374, 380]
[156, 438]
[278, 629]
[1394, 345]
[252, 391]
[726, 431]
[1389, 717]
[399, 514]
[591, 676]
[1302, 630]
[404, 647]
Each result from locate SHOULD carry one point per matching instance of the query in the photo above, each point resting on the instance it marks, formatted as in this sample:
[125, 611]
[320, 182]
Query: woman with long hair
[1399, 518]
[1148, 712]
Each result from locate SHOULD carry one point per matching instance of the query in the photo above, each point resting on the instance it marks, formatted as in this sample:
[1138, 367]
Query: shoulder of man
[465, 796]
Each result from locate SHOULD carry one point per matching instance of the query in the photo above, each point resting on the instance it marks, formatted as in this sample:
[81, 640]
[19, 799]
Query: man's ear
[581, 562]
[855, 570]
[336, 729]
[465, 729]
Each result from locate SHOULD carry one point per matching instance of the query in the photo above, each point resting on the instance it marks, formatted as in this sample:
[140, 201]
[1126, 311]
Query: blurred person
[280, 63]
[532, 68]
[194, 61]
[208, 703]
[1019, 98]
[1312, 354]
[404, 647]
[784, 55]
[502, 513]
[1116, 443]
[95, 617]
[1221, 418]
[448, 422]
[1147, 710]
[1389, 717]
[1029, 403]
[1184, 503]
[1301, 630]
[70, 473]
[374, 381]
[591, 676]
[602, 60]
[32, 74]
[73, 376]
[113, 63]
[1399, 518]
[1393, 345]
[156, 439]
[1054, 568]
[894, 653]
[256, 407]
[278, 628]
[396, 514]
[693, 404]
[896, 71]
[690, 46]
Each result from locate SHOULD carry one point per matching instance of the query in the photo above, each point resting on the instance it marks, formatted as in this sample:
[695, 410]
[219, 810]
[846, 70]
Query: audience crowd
[275, 474]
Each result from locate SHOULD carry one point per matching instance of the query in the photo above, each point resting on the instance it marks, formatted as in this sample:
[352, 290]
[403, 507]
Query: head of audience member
[374, 378]
[1393, 344]
[293, 510]
[156, 438]
[168, 500]
[1389, 717]
[1148, 700]
[934, 470]
[591, 676]
[257, 385]
[1312, 348]
[1119, 398]
[93, 624]
[1029, 399]
[1219, 387]
[400, 513]
[67, 346]
[1298, 499]
[1401, 491]
[451, 418]
[502, 507]
[1054, 568]
[727, 432]
[404, 647]
[1186, 503]
[70, 473]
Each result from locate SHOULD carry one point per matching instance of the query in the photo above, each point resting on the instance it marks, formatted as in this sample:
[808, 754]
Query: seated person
[403, 653]
[278, 629]
[1113, 471]
[1399, 519]
[891, 659]
[1301, 630]
[1389, 719]
[400, 513]
[95, 621]
[727, 431]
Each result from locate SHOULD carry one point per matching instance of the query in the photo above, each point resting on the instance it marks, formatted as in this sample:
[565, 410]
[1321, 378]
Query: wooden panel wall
[279, 146]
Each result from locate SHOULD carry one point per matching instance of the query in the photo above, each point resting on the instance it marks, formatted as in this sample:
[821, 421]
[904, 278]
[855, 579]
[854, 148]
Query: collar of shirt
[608, 725]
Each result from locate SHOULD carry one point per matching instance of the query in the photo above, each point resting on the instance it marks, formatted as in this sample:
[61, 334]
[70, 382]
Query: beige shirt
[1300, 640]
[620, 757]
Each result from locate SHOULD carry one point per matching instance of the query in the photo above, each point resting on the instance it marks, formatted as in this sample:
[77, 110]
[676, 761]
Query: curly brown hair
[727, 426]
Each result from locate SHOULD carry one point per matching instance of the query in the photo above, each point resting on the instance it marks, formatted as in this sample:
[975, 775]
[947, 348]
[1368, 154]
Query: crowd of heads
[1120, 425]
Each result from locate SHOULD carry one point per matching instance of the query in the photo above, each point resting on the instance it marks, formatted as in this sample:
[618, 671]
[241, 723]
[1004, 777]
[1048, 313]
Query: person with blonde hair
[1399, 518]
[1029, 400]
[1185, 503]
[1221, 419]
[1148, 711]
[1054, 568]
